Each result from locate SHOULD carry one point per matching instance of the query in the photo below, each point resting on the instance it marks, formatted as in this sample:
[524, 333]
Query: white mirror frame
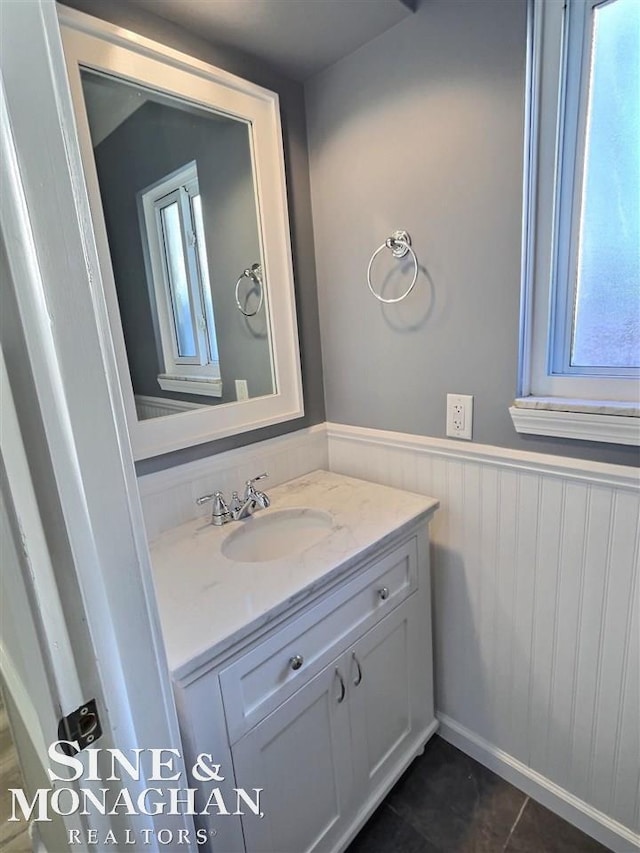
[91, 43]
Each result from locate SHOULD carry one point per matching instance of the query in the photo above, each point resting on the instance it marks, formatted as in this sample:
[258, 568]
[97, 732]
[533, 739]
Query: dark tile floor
[448, 803]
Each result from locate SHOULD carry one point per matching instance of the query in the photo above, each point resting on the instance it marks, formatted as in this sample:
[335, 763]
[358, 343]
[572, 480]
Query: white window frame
[199, 374]
[553, 397]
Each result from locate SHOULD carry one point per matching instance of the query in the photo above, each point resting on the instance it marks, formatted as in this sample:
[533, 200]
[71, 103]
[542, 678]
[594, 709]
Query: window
[173, 236]
[580, 344]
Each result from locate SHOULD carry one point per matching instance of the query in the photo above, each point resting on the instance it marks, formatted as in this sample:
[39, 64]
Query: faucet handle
[220, 513]
[249, 489]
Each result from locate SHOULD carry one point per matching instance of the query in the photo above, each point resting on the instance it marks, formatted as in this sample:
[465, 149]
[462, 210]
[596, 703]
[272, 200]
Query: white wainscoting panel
[536, 633]
[169, 496]
[159, 407]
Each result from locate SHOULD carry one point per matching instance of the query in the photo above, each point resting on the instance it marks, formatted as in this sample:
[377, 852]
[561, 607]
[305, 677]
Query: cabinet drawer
[255, 684]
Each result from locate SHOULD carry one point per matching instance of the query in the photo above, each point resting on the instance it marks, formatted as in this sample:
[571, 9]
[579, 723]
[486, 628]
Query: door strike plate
[81, 725]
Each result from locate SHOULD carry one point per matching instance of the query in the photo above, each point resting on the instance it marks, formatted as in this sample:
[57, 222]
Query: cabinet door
[388, 683]
[300, 756]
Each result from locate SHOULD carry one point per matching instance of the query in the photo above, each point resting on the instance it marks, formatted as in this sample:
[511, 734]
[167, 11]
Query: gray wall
[153, 142]
[297, 167]
[422, 129]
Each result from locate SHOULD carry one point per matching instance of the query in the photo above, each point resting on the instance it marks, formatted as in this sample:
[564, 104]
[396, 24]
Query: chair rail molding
[618, 476]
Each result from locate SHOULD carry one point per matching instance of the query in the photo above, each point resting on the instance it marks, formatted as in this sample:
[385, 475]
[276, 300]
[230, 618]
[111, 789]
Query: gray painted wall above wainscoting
[422, 129]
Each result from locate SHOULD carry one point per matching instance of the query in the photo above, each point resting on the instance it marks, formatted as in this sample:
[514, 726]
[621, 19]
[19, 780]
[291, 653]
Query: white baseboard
[557, 799]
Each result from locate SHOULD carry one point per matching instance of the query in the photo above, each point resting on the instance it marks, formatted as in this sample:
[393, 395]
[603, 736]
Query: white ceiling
[297, 37]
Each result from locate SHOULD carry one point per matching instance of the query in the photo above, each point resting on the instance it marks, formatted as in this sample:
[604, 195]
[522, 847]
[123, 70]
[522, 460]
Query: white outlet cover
[459, 416]
[242, 390]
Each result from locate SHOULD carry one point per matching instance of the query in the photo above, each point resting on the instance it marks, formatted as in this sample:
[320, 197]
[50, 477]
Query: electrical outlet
[459, 415]
[242, 391]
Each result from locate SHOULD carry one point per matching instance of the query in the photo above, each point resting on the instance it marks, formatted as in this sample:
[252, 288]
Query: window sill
[584, 420]
[207, 387]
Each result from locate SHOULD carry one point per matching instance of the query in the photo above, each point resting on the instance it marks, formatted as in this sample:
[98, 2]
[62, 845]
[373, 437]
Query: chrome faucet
[236, 509]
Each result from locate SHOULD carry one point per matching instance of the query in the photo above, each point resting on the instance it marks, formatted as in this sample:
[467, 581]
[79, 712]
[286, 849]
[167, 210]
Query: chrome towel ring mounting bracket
[399, 245]
[254, 275]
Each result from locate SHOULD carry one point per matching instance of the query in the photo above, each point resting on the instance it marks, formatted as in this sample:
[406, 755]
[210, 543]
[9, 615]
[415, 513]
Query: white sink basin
[276, 534]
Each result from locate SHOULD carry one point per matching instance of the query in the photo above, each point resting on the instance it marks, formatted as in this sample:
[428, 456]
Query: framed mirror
[185, 172]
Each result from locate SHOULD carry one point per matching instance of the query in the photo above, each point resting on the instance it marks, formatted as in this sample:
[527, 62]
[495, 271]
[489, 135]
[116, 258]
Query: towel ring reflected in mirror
[254, 274]
[400, 245]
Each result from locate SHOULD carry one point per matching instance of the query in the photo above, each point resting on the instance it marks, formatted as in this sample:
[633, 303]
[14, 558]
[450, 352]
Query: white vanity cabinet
[324, 710]
[328, 750]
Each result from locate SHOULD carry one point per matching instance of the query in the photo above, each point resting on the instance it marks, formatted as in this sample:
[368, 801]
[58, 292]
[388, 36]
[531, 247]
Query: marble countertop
[208, 602]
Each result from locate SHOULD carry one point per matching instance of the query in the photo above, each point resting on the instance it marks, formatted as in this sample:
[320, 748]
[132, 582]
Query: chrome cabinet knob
[383, 593]
[296, 662]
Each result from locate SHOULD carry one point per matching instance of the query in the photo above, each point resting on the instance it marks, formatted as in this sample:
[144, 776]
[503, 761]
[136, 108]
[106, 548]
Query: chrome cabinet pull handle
[296, 662]
[358, 679]
[343, 689]
[383, 593]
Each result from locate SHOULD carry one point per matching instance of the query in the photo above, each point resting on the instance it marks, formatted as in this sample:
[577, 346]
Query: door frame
[77, 417]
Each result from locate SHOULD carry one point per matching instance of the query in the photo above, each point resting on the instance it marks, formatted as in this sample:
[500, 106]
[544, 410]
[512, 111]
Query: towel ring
[399, 244]
[255, 274]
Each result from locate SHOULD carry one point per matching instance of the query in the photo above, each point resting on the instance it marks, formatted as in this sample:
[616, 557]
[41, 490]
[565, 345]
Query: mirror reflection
[180, 207]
